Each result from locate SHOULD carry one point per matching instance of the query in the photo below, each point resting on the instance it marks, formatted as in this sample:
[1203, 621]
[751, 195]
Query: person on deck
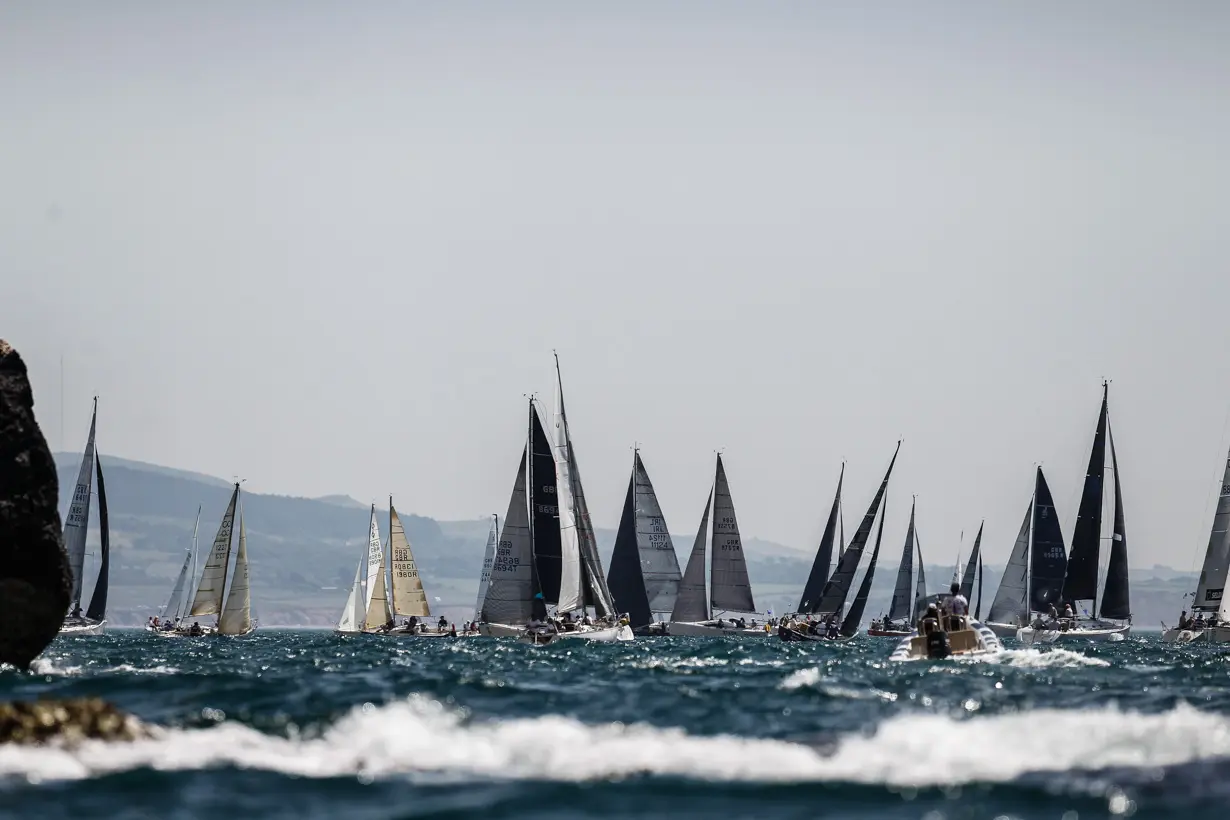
[958, 607]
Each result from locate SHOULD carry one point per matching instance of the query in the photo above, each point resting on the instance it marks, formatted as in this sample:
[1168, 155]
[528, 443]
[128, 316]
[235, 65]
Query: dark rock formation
[67, 721]
[35, 581]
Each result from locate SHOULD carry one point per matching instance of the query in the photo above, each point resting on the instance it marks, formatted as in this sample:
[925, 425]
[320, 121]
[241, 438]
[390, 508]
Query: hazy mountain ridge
[303, 551]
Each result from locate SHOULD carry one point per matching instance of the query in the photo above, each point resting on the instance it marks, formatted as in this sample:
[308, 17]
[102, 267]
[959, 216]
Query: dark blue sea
[306, 724]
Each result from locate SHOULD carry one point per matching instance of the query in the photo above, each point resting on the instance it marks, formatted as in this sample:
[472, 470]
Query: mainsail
[823, 562]
[409, 597]
[98, 601]
[78, 519]
[849, 626]
[488, 559]
[729, 587]
[644, 577]
[237, 615]
[838, 587]
[352, 614]
[1081, 582]
[208, 599]
[692, 605]
[511, 591]
[971, 566]
[1048, 560]
[375, 565]
[1209, 592]
[544, 512]
[903, 594]
[1011, 604]
[1116, 600]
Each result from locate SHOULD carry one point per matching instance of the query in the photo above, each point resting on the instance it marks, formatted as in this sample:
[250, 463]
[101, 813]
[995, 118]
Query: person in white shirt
[957, 605]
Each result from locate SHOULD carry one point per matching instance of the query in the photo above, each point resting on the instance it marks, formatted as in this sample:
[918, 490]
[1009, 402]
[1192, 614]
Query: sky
[330, 248]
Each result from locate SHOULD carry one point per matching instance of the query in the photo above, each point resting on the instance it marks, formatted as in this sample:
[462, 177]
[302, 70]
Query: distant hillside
[303, 551]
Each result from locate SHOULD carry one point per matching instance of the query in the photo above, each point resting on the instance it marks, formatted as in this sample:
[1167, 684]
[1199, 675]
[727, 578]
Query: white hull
[693, 629]
[500, 630]
[985, 642]
[1030, 636]
[1003, 630]
[1214, 634]
[83, 627]
[605, 634]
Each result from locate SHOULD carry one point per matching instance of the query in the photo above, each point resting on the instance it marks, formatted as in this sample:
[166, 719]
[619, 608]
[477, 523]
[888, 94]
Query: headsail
[98, 601]
[511, 591]
[352, 613]
[1081, 582]
[1209, 592]
[1048, 560]
[920, 588]
[1011, 603]
[692, 604]
[729, 587]
[971, 566]
[177, 591]
[378, 611]
[208, 599]
[78, 519]
[1116, 597]
[375, 565]
[849, 626]
[409, 597]
[484, 580]
[838, 586]
[237, 615]
[823, 562]
[903, 594]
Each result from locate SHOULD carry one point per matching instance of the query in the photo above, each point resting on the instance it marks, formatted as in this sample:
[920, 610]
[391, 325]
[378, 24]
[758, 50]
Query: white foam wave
[51, 668]
[420, 737]
[1037, 658]
[812, 678]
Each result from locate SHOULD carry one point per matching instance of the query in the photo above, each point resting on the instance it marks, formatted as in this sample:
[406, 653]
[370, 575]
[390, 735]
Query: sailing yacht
[908, 596]
[94, 620]
[234, 606]
[1209, 603]
[368, 585]
[547, 554]
[644, 576]
[729, 587]
[1114, 617]
[484, 580]
[408, 598]
[176, 606]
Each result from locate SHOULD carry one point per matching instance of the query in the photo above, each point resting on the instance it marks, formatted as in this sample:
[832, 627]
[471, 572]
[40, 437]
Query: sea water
[308, 724]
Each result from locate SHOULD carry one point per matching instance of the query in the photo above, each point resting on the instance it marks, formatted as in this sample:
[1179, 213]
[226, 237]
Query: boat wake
[915, 750]
[1038, 659]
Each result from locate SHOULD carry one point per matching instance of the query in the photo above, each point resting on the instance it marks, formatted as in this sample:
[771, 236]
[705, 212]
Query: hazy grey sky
[329, 246]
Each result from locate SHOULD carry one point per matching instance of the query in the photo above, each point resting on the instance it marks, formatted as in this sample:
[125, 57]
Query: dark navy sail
[850, 625]
[544, 511]
[98, 601]
[971, 566]
[1048, 561]
[838, 586]
[624, 578]
[1081, 583]
[1116, 601]
[903, 593]
[814, 587]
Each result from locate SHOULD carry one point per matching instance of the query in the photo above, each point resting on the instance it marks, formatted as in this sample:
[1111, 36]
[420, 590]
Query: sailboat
[1033, 578]
[233, 606]
[729, 587]
[547, 554]
[408, 598]
[1114, 617]
[908, 596]
[368, 585]
[644, 576]
[484, 580]
[973, 567]
[822, 564]
[176, 606]
[1209, 604]
[93, 621]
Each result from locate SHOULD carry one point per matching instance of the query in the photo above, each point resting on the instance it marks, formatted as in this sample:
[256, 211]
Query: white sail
[78, 519]
[488, 558]
[208, 599]
[177, 592]
[570, 543]
[352, 614]
[375, 561]
[378, 612]
[181, 608]
[237, 615]
[1209, 592]
[409, 597]
[1012, 599]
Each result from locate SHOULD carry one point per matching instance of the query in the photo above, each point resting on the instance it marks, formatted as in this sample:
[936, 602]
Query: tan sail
[378, 612]
[208, 599]
[237, 615]
[409, 598]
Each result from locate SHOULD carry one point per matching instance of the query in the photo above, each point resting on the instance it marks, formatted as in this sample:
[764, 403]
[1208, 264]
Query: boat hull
[1002, 630]
[83, 626]
[693, 629]
[1212, 634]
[604, 634]
[1030, 636]
[888, 633]
[500, 630]
[977, 640]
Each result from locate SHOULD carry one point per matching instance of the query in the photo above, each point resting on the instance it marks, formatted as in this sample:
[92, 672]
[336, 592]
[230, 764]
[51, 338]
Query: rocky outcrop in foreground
[67, 721]
[35, 582]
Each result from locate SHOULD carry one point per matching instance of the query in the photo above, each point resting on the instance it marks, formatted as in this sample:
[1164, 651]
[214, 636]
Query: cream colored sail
[208, 599]
[378, 612]
[237, 615]
[409, 598]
